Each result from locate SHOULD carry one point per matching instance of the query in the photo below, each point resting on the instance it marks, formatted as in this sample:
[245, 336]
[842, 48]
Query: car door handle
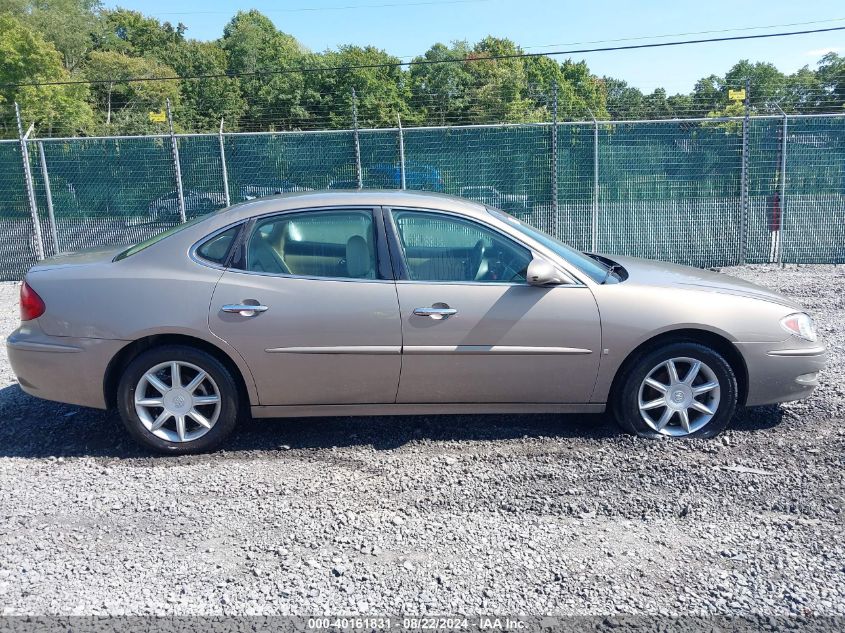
[244, 309]
[436, 313]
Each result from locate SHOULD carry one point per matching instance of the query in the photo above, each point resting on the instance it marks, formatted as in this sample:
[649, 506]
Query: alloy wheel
[679, 396]
[177, 401]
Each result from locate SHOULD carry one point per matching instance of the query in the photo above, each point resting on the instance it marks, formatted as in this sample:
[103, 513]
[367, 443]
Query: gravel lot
[432, 515]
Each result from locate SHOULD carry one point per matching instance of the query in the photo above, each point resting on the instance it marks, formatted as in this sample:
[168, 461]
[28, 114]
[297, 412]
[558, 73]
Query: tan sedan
[388, 302]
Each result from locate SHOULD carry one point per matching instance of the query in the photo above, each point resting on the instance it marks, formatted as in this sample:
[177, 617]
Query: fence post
[744, 194]
[555, 209]
[401, 151]
[358, 174]
[782, 185]
[49, 193]
[180, 193]
[223, 166]
[30, 187]
[594, 223]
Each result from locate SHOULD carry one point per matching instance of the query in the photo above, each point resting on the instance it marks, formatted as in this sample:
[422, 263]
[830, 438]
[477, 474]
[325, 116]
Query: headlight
[800, 325]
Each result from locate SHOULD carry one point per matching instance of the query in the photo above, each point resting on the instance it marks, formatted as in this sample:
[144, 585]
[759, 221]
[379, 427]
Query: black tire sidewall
[226, 420]
[626, 408]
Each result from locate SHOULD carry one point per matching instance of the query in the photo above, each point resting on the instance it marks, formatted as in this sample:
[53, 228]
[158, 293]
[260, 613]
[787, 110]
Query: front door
[330, 333]
[475, 331]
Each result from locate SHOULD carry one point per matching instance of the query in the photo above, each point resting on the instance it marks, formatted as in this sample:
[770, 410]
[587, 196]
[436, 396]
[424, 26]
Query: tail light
[32, 306]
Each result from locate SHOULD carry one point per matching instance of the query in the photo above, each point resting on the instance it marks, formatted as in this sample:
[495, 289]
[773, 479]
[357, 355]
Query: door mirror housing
[543, 273]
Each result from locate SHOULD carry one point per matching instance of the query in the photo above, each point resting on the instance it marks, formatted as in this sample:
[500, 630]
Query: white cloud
[820, 52]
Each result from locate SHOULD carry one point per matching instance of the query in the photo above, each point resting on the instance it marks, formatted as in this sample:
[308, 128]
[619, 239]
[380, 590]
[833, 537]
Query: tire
[141, 420]
[720, 402]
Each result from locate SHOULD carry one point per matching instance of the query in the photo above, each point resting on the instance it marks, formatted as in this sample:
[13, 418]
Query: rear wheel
[179, 400]
[678, 390]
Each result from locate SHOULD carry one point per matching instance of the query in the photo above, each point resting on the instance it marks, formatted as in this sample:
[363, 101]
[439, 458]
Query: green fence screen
[670, 190]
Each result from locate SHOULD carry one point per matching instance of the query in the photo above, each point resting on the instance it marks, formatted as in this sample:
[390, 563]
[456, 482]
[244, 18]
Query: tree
[766, 81]
[588, 95]
[542, 75]
[709, 95]
[271, 88]
[69, 25]
[623, 101]
[831, 77]
[380, 84]
[681, 105]
[126, 105]
[134, 34]
[26, 58]
[803, 92]
[203, 102]
[439, 91]
[657, 104]
[497, 91]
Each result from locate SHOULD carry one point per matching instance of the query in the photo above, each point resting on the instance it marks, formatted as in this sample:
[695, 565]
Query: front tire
[178, 400]
[680, 390]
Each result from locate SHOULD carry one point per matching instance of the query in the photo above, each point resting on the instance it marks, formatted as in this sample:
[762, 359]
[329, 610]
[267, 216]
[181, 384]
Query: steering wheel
[511, 271]
[477, 258]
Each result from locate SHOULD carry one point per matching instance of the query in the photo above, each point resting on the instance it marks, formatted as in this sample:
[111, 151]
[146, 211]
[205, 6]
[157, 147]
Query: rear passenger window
[338, 244]
[216, 249]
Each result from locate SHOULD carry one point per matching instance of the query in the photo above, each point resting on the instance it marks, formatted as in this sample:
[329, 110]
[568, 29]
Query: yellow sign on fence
[158, 117]
[737, 95]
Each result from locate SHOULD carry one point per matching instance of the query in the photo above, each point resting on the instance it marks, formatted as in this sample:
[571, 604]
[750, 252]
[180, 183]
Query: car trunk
[81, 258]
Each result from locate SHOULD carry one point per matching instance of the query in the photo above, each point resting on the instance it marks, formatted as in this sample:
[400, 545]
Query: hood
[649, 272]
[80, 258]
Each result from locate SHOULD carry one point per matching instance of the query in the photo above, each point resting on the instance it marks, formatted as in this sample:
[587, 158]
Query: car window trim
[378, 226]
[398, 256]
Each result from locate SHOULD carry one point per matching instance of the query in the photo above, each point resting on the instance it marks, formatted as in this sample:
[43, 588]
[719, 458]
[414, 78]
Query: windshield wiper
[612, 268]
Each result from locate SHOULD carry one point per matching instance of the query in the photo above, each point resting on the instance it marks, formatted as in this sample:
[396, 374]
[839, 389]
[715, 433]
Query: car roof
[353, 197]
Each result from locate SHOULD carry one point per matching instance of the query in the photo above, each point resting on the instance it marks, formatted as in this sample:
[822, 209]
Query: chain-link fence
[706, 192]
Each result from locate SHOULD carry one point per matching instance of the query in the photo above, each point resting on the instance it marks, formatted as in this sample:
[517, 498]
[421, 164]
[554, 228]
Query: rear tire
[680, 390]
[193, 415]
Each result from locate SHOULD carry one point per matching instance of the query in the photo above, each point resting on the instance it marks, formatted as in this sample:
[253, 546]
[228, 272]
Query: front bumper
[782, 372]
[61, 368]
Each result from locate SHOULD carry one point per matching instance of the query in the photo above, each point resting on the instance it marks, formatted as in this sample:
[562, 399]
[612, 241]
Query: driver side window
[439, 247]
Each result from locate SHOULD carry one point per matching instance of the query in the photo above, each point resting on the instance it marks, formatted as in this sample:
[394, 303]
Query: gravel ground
[432, 515]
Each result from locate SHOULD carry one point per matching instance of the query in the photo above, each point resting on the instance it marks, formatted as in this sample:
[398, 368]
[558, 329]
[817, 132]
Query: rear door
[474, 330]
[325, 328]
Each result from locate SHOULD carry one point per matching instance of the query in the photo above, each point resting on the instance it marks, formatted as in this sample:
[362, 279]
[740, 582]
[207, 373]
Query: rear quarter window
[216, 248]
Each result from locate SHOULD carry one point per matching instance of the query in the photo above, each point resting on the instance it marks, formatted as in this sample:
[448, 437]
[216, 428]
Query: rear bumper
[61, 368]
[781, 372]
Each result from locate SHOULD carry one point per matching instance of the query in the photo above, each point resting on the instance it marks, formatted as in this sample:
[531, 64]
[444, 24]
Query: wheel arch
[121, 360]
[713, 340]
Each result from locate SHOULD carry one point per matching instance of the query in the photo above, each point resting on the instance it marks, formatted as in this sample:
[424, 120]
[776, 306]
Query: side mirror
[542, 273]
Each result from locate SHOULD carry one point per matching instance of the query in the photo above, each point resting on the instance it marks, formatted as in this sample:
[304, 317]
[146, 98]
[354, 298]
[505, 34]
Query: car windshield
[155, 239]
[586, 264]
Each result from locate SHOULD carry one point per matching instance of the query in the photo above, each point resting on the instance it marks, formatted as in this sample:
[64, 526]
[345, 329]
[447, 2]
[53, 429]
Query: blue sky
[408, 28]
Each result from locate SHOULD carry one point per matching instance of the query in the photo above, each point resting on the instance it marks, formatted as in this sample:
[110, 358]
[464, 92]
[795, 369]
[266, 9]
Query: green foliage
[134, 34]
[125, 106]
[440, 92]
[253, 44]
[257, 81]
[831, 76]
[623, 101]
[203, 102]
[381, 93]
[69, 25]
[27, 58]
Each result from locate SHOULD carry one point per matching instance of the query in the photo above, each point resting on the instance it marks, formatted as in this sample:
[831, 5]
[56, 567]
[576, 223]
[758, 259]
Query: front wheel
[678, 390]
[178, 400]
